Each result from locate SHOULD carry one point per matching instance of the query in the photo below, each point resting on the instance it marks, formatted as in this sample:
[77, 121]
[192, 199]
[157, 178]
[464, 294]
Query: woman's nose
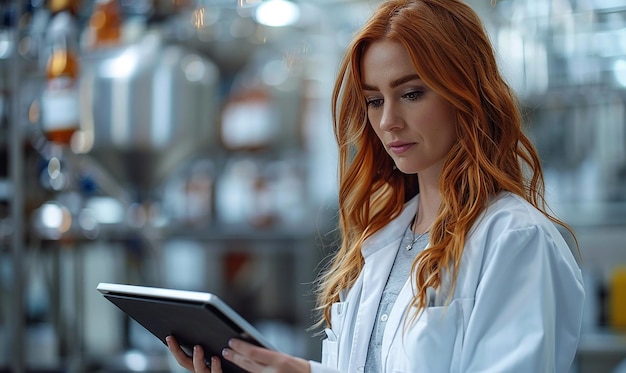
[390, 118]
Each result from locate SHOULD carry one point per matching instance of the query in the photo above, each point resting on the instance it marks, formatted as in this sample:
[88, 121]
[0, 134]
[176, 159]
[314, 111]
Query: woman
[449, 261]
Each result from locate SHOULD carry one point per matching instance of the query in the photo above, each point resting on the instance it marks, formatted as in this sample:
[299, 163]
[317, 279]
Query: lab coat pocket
[432, 343]
[330, 345]
[338, 316]
[330, 350]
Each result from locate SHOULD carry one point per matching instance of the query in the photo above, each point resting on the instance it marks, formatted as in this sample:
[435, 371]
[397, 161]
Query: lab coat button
[361, 369]
[384, 317]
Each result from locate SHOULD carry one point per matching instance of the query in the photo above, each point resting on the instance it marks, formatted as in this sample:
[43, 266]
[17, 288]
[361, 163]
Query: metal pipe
[16, 174]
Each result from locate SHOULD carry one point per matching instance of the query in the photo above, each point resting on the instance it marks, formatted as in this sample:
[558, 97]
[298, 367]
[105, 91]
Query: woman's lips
[399, 148]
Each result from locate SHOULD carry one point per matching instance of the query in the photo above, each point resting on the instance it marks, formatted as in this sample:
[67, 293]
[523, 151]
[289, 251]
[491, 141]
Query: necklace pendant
[410, 246]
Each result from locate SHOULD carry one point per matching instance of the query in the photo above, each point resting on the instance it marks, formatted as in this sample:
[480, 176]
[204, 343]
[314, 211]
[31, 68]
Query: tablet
[193, 318]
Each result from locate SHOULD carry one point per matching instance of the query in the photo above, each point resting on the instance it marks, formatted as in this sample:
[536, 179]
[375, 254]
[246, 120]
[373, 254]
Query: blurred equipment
[105, 25]
[145, 108]
[60, 96]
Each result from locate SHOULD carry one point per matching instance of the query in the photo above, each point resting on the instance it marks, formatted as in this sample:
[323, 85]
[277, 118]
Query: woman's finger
[181, 357]
[216, 365]
[260, 355]
[241, 361]
[199, 364]
[257, 359]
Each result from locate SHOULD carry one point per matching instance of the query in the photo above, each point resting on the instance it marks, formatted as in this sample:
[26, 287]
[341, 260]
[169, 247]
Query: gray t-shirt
[400, 272]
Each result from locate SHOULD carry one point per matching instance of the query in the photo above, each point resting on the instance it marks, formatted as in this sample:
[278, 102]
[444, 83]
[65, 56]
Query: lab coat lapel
[375, 274]
[352, 300]
[395, 320]
[379, 252]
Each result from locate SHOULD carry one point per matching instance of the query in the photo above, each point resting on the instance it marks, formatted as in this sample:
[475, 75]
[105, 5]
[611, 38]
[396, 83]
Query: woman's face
[415, 125]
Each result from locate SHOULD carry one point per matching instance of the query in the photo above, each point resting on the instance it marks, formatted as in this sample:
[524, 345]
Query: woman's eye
[374, 103]
[414, 95]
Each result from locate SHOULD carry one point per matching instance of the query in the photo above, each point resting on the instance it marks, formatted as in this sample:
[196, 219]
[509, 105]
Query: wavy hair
[453, 55]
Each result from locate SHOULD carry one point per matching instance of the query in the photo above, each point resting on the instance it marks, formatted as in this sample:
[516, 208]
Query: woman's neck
[428, 204]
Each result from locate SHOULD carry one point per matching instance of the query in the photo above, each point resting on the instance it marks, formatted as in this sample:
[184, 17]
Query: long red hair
[453, 55]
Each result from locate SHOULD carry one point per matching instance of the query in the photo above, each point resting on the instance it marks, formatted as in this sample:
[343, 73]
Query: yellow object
[57, 6]
[618, 298]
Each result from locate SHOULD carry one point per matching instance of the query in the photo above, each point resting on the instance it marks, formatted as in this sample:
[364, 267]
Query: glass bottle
[60, 100]
[105, 25]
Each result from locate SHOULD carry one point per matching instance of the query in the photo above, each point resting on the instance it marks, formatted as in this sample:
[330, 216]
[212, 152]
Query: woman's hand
[256, 359]
[196, 363]
[247, 356]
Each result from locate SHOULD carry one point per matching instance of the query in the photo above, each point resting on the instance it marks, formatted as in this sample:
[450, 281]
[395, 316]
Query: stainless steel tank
[145, 108]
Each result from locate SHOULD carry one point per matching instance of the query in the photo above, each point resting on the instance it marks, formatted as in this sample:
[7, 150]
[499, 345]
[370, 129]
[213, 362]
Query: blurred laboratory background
[188, 144]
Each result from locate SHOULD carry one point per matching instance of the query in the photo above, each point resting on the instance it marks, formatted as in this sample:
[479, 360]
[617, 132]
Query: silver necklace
[415, 238]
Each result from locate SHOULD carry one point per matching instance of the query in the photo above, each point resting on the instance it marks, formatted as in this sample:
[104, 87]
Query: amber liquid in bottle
[57, 6]
[60, 101]
[105, 24]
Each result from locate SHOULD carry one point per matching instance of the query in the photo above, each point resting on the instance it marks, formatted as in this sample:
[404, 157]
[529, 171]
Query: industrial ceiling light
[277, 13]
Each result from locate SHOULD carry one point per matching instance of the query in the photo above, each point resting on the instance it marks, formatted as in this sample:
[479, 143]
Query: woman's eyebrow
[394, 83]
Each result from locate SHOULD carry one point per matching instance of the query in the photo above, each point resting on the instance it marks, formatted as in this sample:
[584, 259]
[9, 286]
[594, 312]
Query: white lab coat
[516, 308]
